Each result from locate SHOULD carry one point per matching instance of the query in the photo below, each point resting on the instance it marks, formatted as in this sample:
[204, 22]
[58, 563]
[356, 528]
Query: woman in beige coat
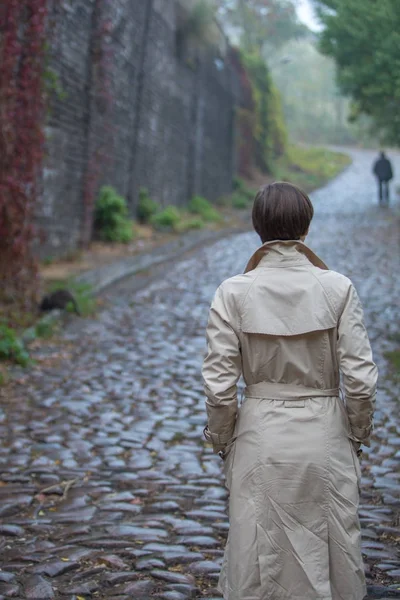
[290, 326]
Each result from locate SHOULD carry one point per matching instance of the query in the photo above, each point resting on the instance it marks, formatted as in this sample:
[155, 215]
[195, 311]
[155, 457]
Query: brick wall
[132, 112]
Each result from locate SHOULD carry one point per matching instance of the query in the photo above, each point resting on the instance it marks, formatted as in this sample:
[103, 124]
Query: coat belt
[286, 391]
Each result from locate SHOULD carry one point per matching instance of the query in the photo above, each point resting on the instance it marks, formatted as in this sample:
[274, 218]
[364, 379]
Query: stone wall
[128, 109]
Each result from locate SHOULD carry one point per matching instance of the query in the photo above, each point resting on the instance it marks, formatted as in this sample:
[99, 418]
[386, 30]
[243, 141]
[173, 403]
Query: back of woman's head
[281, 211]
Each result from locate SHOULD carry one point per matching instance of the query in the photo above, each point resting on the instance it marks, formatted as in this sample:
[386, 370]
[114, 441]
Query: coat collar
[284, 250]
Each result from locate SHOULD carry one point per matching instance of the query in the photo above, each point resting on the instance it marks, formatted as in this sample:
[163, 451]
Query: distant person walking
[384, 173]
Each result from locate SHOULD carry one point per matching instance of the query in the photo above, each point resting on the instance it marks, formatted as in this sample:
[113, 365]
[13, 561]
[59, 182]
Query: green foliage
[240, 201]
[53, 84]
[223, 201]
[364, 39]
[44, 329]
[82, 292]
[263, 26]
[278, 137]
[310, 168]
[111, 217]
[166, 219]
[315, 110]
[243, 196]
[200, 206]
[189, 223]
[146, 206]
[269, 129]
[239, 185]
[199, 26]
[11, 347]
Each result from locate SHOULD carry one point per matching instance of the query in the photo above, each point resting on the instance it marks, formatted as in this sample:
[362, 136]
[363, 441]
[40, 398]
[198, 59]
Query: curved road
[106, 488]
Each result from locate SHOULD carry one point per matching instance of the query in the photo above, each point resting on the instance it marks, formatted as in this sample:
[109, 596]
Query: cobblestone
[107, 489]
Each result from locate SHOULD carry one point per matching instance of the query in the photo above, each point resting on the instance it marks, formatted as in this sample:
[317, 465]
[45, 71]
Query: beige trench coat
[290, 326]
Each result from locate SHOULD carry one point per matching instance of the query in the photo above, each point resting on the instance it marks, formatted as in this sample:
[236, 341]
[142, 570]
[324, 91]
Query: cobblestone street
[106, 487]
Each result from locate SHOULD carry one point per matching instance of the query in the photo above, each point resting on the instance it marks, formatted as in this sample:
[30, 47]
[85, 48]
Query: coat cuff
[217, 439]
[361, 434]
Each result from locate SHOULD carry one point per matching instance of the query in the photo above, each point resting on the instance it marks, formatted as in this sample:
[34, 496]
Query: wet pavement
[107, 489]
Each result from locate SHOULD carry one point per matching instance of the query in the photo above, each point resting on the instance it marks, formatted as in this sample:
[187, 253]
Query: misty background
[315, 110]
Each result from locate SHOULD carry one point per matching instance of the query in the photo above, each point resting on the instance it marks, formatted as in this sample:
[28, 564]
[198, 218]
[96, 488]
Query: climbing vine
[22, 114]
[260, 122]
[270, 131]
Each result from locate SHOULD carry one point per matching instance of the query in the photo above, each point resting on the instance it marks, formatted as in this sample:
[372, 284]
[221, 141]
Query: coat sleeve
[358, 369]
[221, 370]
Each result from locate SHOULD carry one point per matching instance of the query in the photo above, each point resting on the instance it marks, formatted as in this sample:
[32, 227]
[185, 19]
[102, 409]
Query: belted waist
[286, 391]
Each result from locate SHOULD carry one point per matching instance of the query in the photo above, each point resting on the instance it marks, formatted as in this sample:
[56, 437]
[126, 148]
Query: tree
[363, 36]
[315, 111]
[262, 24]
[260, 27]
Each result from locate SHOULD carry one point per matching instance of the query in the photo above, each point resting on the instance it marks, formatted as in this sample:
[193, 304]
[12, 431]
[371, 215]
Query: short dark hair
[281, 211]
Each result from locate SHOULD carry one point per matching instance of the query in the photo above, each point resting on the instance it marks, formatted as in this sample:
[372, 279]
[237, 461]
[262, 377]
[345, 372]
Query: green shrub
[309, 168]
[191, 223]
[11, 347]
[200, 206]
[240, 186]
[167, 218]
[240, 201]
[224, 201]
[146, 207]
[111, 217]
[120, 232]
[238, 183]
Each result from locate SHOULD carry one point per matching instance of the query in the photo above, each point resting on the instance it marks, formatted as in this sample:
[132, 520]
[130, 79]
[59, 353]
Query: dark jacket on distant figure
[383, 168]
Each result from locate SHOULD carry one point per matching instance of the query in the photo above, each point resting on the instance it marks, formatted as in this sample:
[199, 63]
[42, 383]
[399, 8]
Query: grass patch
[44, 330]
[82, 293]
[310, 168]
[188, 223]
[12, 347]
